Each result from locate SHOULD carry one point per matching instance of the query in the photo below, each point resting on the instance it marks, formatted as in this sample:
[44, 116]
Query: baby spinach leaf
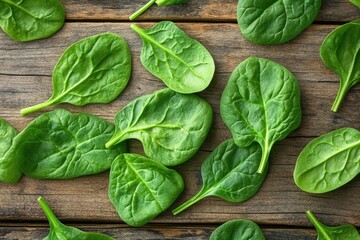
[329, 161]
[28, 20]
[333, 233]
[170, 125]
[275, 21]
[238, 230]
[181, 62]
[261, 102]
[159, 3]
[93, 70]
[61, 145]
[356, 3]
[339, 52]
[229, 173]
[59, 231]
[9, 169]
[140, 188]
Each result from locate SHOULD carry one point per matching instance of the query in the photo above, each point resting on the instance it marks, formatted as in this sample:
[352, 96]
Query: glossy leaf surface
[329, 161]
[10, 171]
[230, 172]
[170, 125]
[339, 52]
[275, 21]
[93, 70]
[181, 62]
[62, 145]
[343, 232]
[59, 231]
[26, 20]
[261, 103]
[238, 230]
[140, 188]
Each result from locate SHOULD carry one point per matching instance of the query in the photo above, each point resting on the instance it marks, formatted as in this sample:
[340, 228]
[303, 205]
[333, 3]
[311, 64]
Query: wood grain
[25, 79]
[194, 10]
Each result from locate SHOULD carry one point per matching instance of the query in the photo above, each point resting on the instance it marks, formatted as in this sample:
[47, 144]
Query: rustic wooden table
[279, 207]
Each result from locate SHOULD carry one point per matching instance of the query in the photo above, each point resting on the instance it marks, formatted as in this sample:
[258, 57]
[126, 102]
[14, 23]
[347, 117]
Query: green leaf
[340, 52]
[329, 161]
[61, 145]
[9, 168]
[238, 230]
[229, 173]
[28, 20]
[343, 232]
[181, 62]
[261, 102]
[159, 3]
[140, 188]
[93, 70]
[170, 125]
[59, 231]
[275, 21]
[356, 3]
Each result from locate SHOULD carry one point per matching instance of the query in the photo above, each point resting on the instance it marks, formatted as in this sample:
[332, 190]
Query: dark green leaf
[229, 173]
[93, 70]
[238, 230]
[140, 188]
[59, 231]
[170, 125]
[340, 52]
[343, 232]
[261, 103]
[61, 145]
[181, 62]
[28, 20]
[329, 161]
[275, 21]
[159, 3]
[9, 168]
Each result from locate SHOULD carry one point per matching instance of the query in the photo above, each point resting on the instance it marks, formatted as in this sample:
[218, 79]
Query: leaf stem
[54, 222]
[317, 224]
[200, 195]
[35, 108]
[141, 10]
[264, 158]
[339, 98]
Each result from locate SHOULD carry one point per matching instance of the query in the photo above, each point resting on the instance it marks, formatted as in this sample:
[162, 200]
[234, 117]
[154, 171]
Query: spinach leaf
[356, 3]
[261, 102]
[238, 230]
[181, 62]
[61, 145]
[59, 231]
[93, 70]
[159, 3]
[275, 21]
[170, 125]
[9, 169]
[329, 161]
[333, 233]
[28, 20]
[229, 173]
[339, 52]
[140, 188]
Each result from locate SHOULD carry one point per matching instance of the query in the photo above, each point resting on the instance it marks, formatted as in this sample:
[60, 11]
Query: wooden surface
[279, 207]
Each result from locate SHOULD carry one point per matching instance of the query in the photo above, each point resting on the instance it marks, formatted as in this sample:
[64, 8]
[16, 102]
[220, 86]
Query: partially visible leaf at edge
[356, 3]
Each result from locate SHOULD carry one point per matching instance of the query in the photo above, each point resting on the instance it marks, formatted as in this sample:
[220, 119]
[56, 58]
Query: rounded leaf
[238, 230]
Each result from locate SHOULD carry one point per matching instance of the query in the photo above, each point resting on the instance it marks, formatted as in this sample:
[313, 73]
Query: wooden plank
[25, 79]
[160, 232]
[194, 10]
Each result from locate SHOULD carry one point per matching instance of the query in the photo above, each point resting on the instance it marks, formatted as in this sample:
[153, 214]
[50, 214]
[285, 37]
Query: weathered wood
[25, 79]
[194, 10]
[160, 232]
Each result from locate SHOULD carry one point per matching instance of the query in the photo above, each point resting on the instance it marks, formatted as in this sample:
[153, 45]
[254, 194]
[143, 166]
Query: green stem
[141, 10]
[35, 108]
[200, 195]
[264, 158]
[318, 225]
[339, 98]
[54, 222]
